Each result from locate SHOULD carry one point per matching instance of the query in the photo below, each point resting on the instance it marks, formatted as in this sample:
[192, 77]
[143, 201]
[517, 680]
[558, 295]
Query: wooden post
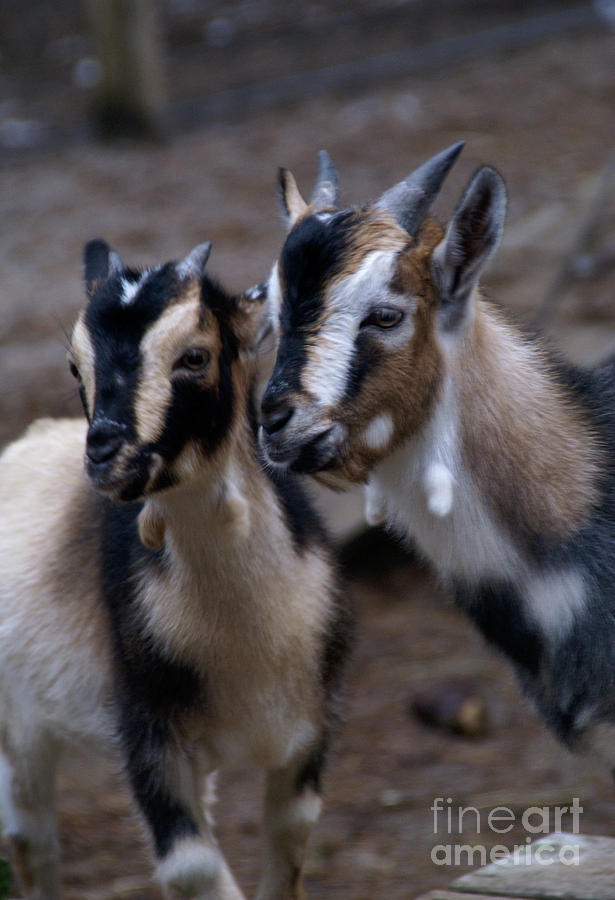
[130, 99]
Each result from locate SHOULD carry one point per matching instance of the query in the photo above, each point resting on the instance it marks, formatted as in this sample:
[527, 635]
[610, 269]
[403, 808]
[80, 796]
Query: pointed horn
[326, 193]
[409, 200]
[193, 265]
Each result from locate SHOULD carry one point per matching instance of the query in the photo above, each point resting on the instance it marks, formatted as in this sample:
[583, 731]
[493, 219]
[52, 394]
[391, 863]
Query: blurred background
[157, 125]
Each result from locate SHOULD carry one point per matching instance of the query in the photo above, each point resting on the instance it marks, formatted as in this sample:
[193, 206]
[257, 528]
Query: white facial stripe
[329, 358]
[379, 431]
[158, 349]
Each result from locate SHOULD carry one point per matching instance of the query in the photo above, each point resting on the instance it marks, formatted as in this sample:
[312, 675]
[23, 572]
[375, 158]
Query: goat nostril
[275, 419]
[102, 445]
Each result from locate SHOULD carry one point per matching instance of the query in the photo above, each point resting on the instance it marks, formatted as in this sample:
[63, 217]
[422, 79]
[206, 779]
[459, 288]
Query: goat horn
[192, 266]
[411, 198]
[327, 190]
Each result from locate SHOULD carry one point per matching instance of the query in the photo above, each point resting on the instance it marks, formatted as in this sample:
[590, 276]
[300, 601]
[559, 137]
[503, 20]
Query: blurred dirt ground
[545, 117]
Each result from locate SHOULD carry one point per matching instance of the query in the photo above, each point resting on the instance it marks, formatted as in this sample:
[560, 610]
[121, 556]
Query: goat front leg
[166, 783]
[292, 808]
[28, 816]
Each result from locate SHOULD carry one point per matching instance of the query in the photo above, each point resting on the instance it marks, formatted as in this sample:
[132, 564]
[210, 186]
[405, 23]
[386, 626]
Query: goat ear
[293, 204]
[100, 263]
[472, 237]
[193, 265]
[253, 320]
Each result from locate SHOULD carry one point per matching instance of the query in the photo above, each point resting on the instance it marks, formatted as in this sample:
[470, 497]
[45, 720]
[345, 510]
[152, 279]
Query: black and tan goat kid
[496, 459]
[196, 624]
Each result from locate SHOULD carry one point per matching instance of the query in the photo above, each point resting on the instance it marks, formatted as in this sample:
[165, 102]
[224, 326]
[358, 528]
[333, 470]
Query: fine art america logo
[449, 821]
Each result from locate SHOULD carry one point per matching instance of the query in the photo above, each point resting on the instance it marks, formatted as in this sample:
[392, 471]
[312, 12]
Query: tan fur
[178, 329]
[151, 526]
[375, 232]
[59, 619]
[280, 634]
[82, 353]
[295, 204]
[523, 437]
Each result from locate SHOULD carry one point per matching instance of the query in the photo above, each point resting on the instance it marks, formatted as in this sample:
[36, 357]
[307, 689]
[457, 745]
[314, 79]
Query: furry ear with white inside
[253, 320]
[472, 237]
[100, 263]
[292, 203]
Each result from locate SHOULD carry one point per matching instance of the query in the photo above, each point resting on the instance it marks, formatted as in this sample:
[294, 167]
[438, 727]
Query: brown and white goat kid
[177, 602]
[496, 459]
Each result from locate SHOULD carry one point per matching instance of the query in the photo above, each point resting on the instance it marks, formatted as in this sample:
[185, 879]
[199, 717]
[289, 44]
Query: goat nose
[275, 415]
[103, 442]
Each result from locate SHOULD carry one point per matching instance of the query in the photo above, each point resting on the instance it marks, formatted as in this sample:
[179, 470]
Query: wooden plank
[556, 867]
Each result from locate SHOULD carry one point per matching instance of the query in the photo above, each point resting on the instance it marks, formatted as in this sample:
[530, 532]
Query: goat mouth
[316, 454]
[127, 485]
[307, 456]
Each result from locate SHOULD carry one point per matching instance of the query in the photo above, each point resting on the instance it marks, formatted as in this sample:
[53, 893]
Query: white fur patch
[554, 599]
[308, 809]
[439, 489]
[274, 295]
[304, 810]
[9, 822]
[191, 867]
[379, 432]
[467, 543]
[130, 289]
[375, 509]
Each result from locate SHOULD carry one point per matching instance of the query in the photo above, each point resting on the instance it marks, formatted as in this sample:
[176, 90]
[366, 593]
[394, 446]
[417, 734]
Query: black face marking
[153, 690]
[366, 355]
[203, 415]
[313, 253]
[116, 330]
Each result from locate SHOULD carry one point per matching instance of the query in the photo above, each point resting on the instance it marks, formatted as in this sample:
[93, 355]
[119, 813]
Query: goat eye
[383, 317]
[74, 371]
[194, 360]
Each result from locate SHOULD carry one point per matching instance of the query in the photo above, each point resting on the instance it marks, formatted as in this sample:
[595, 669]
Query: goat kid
[178, 602]
[479, 445]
